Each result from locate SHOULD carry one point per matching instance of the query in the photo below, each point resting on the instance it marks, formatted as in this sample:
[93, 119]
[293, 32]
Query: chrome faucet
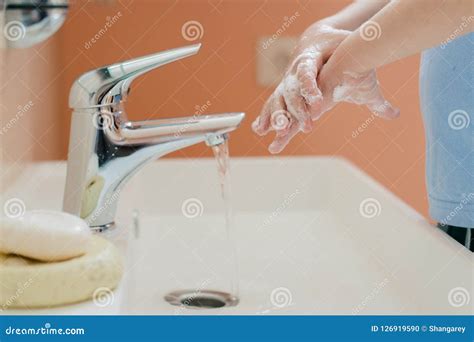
[106, 149]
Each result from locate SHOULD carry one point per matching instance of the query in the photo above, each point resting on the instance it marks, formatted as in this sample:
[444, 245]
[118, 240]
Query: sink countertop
[316, 227]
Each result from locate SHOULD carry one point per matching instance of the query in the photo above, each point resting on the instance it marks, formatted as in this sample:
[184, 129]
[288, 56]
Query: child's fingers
[262, 124]
[384, 109]
[297, 108]
[306, 74]
[282, 139]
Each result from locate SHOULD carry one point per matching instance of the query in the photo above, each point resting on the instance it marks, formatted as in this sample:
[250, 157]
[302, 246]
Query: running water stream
[221, 153]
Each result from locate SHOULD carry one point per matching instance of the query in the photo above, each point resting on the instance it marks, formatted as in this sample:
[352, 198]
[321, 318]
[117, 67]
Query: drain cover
[201, 299]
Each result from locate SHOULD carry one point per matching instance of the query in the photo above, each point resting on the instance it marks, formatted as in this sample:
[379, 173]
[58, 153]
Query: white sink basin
[316, 232]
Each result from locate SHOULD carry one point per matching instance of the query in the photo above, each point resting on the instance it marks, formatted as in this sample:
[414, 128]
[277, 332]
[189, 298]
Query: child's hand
[360, 89]
[297, 100]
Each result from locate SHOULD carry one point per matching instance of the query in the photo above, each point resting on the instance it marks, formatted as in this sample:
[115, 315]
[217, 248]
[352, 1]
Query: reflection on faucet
[106, 149]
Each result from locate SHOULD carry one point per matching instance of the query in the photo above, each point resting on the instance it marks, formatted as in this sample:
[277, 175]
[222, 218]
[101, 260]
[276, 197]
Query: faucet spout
[106, 149]
[167, 130]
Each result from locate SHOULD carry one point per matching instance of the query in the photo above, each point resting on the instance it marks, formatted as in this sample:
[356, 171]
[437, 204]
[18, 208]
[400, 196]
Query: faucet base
[103, 228]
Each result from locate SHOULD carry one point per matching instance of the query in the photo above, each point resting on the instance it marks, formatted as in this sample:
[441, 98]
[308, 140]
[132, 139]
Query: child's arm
[400, 29]
[406, 28]
[354, 15]
[298, 94]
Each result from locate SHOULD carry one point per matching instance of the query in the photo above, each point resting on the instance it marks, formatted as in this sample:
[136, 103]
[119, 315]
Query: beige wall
[223, 73]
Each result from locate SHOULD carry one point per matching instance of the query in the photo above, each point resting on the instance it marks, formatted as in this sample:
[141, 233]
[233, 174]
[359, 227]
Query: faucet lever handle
[110, 84]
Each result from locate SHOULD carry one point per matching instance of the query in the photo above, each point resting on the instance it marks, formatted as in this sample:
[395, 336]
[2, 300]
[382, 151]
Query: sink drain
[201, 299]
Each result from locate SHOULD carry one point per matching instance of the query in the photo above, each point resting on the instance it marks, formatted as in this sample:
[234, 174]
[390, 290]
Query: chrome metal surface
[29, 22]
[103, 228]
[106, 149]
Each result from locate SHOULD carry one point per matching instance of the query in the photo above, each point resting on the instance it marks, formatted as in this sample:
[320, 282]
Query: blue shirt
[447, 103]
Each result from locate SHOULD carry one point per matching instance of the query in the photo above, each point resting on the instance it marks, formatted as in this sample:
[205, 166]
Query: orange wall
[29, 111]
[224, 73]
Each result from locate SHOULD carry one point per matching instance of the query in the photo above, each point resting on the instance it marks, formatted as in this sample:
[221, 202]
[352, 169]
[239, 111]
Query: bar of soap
[44, 235]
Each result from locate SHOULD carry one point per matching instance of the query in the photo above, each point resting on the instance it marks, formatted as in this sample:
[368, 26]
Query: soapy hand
[361, 89]
[297, 99]
[312, 86]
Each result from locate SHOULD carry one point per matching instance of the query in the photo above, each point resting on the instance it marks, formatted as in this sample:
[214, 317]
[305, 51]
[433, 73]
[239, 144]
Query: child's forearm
[354, 15]
[348, 19]
[400, 29]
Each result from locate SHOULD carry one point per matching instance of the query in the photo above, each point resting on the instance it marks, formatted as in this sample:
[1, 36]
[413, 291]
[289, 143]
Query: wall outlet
[273, 56]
